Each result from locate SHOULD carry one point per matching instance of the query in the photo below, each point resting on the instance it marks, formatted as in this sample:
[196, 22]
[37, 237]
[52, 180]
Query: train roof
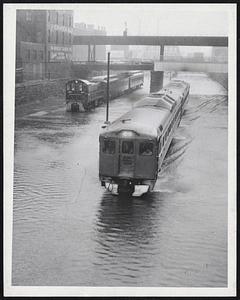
[144, 121]
[174, 89]
[136, 74]
[176, 85]
[104, 78]
[80, 80]
[157, 101]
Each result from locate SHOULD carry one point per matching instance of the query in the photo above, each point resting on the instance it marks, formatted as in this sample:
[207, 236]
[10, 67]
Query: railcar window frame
[111, 147]
[126, 142]
[141, 151]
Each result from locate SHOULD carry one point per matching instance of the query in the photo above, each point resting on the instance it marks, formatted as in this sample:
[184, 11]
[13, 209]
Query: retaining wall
[221, 78]
[38, 90]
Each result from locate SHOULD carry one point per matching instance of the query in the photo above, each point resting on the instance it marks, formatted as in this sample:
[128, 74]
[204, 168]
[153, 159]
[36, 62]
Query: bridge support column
[157, 76]
[91, 52]
[156, 82]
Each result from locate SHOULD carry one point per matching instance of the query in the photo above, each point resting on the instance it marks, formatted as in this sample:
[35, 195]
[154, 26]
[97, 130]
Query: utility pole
[108, 68]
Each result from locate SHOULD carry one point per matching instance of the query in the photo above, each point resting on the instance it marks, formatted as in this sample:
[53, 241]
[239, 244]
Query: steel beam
[214, 41]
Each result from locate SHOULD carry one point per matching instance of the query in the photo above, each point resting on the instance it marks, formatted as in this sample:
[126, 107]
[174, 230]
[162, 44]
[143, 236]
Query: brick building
[44, 42]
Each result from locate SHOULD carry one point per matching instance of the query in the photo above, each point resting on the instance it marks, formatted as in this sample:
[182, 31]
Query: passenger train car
[132, 148]
[82, 95]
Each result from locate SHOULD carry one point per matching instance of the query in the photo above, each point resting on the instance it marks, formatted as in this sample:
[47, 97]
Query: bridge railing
[166, 58]
[197, 59]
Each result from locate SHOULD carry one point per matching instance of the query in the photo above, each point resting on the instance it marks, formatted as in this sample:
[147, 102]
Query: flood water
[69, 231]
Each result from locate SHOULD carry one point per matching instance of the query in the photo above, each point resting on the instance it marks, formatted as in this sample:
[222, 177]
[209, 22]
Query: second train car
[132, 148]
[82, 95]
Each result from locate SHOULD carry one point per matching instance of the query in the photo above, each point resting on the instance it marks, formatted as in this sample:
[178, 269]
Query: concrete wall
[191, 67]
[38, 90]
[220, 78]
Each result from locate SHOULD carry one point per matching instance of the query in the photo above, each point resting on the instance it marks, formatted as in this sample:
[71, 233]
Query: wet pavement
[68, 230]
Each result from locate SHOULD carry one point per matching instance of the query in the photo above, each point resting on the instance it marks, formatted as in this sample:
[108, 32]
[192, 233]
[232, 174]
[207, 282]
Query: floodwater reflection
[125, 230]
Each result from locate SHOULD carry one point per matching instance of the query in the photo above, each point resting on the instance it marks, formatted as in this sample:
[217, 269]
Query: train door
[127, 158]
[146, 159]
[108, 157]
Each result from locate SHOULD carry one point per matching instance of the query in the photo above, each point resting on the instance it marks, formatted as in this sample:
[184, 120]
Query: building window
[35, 54]
[41, 55]
[49, 36]
[49, 56]
[70, 38]
[28, 16]
[56, 37]
[63, 20]
[49, 16]
[28, 55]
[127, 147]
[57, 18]
[63, 37]
[69, 20]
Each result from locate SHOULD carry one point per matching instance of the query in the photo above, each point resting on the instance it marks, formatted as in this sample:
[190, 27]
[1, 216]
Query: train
[133, 147]
[83, 95]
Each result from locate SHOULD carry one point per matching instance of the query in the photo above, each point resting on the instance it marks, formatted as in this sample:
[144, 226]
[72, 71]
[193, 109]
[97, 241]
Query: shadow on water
[124, 212]
[126, 228]
[127, 219]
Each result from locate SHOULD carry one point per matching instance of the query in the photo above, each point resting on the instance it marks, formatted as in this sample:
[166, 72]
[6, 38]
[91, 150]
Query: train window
[108, 147]
[146, 149]
[70, 87]
[78, 86]
[127, 147]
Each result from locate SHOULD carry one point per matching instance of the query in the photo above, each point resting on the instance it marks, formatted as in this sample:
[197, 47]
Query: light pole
[107, 109]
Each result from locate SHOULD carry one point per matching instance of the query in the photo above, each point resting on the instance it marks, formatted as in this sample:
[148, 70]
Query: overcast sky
[156, 19]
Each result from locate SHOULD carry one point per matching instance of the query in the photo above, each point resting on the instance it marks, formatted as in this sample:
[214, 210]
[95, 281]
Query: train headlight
[127, 134]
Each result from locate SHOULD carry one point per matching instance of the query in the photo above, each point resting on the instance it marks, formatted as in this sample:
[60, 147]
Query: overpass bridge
[162, 65]
[93, 40]
[214, 41]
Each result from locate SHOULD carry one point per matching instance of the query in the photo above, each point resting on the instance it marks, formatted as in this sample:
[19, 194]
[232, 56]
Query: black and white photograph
[119, 149]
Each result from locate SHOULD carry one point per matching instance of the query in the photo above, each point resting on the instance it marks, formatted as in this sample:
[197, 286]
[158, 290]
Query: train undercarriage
[78, 106]
[132, 187]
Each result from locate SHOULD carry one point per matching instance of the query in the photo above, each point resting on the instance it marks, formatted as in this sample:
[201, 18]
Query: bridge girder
[214, 41]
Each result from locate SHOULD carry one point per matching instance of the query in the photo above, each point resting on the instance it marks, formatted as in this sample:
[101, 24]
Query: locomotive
[133, 147]
[83, 95]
